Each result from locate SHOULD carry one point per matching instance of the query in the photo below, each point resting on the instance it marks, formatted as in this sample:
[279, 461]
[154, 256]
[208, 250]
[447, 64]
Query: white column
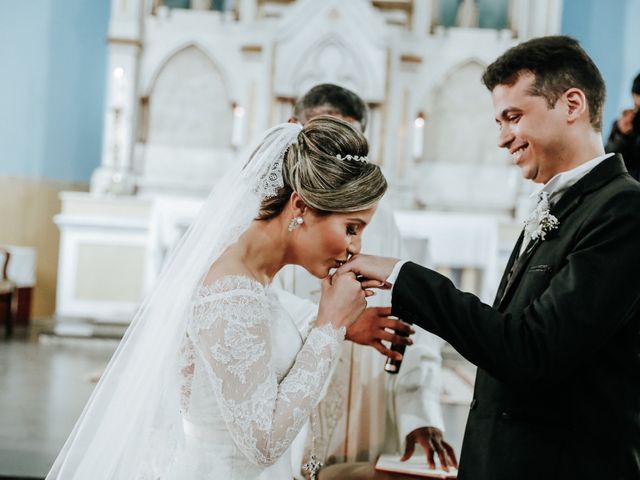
[553, 25]
[248, 11]
[392, 131]
[434, 17]
[125, 43]
[522, 19]
[512, 16]
[540, 18]
[201, 4]
[421, 18]
[121, 106]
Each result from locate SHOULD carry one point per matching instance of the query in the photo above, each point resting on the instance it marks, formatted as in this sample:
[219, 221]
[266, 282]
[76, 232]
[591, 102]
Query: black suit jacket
[557, 392]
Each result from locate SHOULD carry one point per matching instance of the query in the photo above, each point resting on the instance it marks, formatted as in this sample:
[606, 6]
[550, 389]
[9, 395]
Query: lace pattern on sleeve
[230, 330]
[186, 366]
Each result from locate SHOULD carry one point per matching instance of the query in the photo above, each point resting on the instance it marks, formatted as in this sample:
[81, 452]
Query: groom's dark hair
[339, 99]
[558, 63]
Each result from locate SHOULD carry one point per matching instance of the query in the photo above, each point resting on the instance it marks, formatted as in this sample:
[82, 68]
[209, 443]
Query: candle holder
[237, 128]
[121, 182]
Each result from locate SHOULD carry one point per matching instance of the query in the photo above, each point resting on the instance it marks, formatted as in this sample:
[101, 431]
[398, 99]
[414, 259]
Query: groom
[557, 393]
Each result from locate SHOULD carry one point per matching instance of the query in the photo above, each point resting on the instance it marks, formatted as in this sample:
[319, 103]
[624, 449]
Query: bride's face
[326, 241]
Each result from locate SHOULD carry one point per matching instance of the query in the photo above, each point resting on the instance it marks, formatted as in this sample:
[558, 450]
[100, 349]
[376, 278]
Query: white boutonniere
[540, 222]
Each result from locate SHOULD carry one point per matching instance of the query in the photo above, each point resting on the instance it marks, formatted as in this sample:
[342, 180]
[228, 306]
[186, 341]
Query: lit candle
[418, 135]
[118, 87]
[238, 125]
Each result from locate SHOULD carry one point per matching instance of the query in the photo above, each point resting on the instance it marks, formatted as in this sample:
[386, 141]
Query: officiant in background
[366, 410]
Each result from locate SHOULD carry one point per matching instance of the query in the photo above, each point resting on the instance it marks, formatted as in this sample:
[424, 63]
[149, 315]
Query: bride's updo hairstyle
[324, 182]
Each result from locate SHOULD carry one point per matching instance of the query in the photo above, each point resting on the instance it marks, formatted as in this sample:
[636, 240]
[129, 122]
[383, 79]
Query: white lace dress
[251, 382]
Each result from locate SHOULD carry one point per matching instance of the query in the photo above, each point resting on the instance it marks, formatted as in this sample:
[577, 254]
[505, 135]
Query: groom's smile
[517, 153]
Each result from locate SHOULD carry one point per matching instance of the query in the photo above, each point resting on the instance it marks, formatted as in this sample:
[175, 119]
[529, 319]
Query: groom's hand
[430, 438]
[373, 270]
[371, 328]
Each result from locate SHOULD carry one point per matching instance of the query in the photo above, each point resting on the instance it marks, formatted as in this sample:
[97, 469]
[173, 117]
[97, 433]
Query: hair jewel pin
[356, 158]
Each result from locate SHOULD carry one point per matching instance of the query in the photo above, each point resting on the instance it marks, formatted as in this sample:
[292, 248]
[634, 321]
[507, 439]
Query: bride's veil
[131, 426]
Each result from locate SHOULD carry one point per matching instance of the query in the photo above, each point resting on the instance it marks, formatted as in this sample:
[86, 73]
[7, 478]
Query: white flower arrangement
[540, 222]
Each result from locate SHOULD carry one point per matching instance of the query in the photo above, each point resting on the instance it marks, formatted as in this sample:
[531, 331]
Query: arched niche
[332, 41]
[332, 59]
[459, 125]
[462, 167]
[188, 105]
[329, 61]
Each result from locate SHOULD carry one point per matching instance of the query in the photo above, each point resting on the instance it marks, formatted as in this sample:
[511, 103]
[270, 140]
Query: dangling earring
[295, 223]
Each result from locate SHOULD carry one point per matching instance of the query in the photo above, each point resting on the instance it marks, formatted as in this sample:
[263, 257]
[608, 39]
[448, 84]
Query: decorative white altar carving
[188, 88]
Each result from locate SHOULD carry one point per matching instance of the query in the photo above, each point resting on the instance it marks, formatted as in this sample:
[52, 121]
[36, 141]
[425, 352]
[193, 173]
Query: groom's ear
[576, 104]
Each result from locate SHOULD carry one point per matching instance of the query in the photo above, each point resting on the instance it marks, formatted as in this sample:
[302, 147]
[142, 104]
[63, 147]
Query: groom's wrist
[393, 276]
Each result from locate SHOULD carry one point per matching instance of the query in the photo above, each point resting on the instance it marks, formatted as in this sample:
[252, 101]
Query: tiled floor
[43, 388]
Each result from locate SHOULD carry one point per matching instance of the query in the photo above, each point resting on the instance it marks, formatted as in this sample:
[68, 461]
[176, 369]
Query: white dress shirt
[559, 184]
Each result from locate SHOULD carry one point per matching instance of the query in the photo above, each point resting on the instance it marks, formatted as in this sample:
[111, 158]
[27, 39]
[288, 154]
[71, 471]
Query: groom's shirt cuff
[391, 279]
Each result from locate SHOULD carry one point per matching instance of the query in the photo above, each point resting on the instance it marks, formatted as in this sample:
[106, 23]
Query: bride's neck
[262, 249]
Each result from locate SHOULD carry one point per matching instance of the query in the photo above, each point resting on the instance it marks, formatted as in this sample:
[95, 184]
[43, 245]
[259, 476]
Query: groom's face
[533, 133]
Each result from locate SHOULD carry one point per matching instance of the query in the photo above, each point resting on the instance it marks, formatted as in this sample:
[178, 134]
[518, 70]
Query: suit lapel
[517, 270]
[599, 176]
[569, 201]
[508, 272]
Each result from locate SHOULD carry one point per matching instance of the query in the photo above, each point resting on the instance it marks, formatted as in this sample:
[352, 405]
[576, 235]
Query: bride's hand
[342, 300]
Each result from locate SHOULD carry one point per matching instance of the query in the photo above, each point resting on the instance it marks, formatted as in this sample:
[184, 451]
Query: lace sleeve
[231, 332]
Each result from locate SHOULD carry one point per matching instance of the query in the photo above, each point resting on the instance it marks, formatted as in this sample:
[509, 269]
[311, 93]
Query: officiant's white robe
[365, 410]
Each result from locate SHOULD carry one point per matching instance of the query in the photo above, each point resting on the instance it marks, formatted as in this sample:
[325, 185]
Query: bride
[212, 379]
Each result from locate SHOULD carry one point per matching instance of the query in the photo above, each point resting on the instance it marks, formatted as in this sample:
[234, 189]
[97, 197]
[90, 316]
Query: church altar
[190, 87]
